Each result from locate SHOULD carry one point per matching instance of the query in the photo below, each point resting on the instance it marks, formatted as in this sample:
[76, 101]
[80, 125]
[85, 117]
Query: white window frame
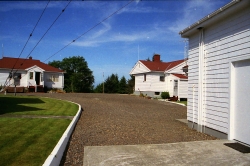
[31, 74]
[53, 78]
[162, 78]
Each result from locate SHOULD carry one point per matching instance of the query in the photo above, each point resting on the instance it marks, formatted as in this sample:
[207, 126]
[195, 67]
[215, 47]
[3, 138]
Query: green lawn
[23, 105]
[183, 102]
[29, 141]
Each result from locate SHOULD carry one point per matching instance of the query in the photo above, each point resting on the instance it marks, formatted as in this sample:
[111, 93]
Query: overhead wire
[29, 38]
[81, 34]
[41, 37]
[74, 40]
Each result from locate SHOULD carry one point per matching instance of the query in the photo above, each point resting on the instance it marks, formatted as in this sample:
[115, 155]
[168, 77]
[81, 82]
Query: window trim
[31, 75]
[162, 80]
[53, 78]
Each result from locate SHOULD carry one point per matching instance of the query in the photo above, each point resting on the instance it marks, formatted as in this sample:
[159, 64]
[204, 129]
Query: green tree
[78, 76]
[112, 84]
[57, 64]
[123, 86]
[99, 88]
[131, 84]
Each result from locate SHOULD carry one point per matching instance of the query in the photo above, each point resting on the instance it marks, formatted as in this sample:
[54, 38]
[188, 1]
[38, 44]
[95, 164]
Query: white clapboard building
[154, 77]
[219, 72]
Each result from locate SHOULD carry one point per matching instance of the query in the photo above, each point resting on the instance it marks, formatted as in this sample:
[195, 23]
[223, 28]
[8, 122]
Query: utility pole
[103, 83]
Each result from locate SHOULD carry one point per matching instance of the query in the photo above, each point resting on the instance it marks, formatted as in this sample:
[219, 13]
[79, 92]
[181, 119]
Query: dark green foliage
[113, 85]
[123, 86]
[78, 77]
[56, 64]
[99, 88]
[148, 59]
[131, 85]
[165, 95]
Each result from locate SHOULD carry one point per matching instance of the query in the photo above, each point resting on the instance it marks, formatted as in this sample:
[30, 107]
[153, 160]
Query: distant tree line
[79, 78]
[113, 85]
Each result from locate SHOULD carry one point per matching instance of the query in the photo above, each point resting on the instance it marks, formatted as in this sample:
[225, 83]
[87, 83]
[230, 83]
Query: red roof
[160, 66]
[22, 64]
[180, 76]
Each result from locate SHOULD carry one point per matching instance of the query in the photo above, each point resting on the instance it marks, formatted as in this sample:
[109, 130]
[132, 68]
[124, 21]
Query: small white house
[154, 77]
[219, 72]
[29, 73]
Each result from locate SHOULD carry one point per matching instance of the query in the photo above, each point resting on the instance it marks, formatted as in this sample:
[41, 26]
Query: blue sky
[139, 30]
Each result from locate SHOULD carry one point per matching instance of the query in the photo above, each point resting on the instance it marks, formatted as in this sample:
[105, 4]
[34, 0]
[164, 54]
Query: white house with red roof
[29, 73]
[219, 72]
[154, 77]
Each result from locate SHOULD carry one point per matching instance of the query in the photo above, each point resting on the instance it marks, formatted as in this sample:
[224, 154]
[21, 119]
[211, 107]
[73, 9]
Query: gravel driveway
[109, 119]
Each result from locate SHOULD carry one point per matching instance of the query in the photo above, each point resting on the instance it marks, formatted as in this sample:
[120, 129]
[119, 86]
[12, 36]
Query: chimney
[156, 58]
[30, 57]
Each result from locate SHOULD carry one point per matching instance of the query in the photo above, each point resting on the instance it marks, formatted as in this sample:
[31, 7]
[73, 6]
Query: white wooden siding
[170, 84]
[51, 84]
[139, 68]
[152, 82]
[183, 88]
[177, 69]
[3, 76]
[229, 38]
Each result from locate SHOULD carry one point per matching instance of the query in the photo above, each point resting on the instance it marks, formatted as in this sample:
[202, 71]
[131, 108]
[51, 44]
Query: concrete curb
[176, 103]
[56, 155]
[172, 102]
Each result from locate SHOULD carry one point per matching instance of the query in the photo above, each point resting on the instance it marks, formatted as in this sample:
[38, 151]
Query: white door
[242, 102]
[175, 87]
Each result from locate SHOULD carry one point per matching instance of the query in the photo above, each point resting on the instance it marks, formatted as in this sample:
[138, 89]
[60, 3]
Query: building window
[17, 77]
[31, 75]
[54, 78]
[145, 77]
[157, 93]
[162, 78]
[41, 76]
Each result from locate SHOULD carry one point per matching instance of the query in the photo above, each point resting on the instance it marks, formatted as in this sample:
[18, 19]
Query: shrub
[165, 95]
[141, 95]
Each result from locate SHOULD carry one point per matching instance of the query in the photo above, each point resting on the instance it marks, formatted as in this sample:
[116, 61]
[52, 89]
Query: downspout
[193, 108]
[200, 86]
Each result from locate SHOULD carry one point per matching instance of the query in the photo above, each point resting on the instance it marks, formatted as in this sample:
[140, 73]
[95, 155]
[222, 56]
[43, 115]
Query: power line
[29, 37]
[48, 29]
[78, 36]
[89, 30]
[31, 33]
[42, 36]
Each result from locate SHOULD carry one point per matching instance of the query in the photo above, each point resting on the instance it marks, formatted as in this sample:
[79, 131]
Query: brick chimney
[156, 58]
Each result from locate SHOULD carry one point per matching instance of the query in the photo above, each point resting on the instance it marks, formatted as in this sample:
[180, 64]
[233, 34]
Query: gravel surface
[109, 119]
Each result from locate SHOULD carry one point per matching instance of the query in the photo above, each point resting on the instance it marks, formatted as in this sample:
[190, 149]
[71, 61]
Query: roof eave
[208, 19]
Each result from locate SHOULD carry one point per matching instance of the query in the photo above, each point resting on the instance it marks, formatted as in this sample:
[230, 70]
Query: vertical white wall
[4, 74]
[183, 88]
[51, 84]
[152, 82]
[228, 38]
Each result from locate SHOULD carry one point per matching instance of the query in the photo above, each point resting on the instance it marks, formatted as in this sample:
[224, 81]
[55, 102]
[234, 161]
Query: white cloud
[102, 31]
[99, 37]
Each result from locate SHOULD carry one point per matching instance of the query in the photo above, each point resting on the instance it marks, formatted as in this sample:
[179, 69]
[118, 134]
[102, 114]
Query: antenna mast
[138, 51]
[2, 51]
